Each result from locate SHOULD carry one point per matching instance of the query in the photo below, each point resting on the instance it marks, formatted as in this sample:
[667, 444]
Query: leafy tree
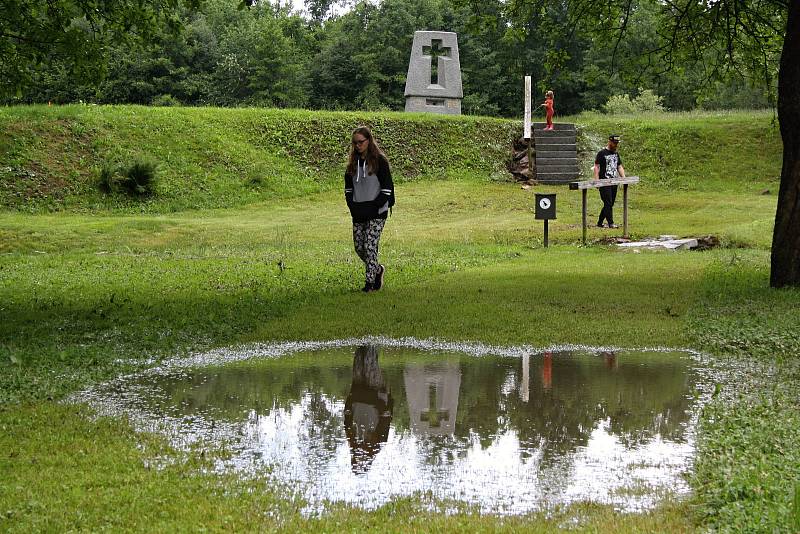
[786, 237]
[749, 36]
[343, 72]
[363, 57]
[319, 10]
[73, 33]
[258, 64]
[173, 67]
[753, 38]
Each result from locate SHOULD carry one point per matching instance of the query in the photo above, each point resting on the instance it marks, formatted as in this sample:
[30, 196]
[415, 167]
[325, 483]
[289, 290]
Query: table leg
[584, 215]
[625, 211]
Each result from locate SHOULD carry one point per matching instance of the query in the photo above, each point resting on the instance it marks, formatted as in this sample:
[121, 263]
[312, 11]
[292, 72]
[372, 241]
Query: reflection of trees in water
[442, 450]
[641, 396]
[321, 423]
[232, 392]
[247, 393]
[639, 399]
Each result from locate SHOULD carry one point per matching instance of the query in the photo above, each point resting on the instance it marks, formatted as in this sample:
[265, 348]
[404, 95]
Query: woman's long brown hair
[374, 153]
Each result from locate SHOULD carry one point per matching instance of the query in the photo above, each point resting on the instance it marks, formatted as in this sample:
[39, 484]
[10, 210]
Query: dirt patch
[52, 161]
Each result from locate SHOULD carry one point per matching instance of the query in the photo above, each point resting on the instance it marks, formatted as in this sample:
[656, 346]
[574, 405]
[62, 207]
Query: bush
[647, 101]
[137, 180]
[735, 95]
[106, 180]
[479, 105]
[165, 100]
[140, 178]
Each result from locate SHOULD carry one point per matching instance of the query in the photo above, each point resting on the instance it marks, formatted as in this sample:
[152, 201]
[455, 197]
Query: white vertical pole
[527, 134]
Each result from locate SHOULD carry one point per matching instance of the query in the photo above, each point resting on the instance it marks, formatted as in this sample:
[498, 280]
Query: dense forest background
[338, 56]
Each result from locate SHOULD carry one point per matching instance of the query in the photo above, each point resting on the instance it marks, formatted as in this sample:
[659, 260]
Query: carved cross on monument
[434, 52]
[434, 416]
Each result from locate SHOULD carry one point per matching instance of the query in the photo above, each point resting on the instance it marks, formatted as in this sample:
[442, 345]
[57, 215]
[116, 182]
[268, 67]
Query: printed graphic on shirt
[612, 162]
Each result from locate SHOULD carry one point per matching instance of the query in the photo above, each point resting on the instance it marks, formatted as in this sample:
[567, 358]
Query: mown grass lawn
[86, 294]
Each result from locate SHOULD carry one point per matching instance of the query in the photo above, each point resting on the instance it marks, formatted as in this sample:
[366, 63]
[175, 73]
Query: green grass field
[247, 239]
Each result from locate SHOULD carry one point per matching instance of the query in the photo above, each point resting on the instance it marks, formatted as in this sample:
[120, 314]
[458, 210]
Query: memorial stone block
[433, 83]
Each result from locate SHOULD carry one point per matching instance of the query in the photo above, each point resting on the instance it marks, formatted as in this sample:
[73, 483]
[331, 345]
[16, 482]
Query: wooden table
[596, 184]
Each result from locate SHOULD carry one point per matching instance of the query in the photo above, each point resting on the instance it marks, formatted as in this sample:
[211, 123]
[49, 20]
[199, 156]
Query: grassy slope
[210, 159]
[51, 155]
[100, 280]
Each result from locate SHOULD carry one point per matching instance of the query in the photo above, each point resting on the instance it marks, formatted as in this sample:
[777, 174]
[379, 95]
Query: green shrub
[619, 104]
[479, 105]
[140, 178]
[165, 100]
[647, 101]
[106, 180]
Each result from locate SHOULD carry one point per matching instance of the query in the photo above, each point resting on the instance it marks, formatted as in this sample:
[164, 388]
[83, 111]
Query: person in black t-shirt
[608, 165]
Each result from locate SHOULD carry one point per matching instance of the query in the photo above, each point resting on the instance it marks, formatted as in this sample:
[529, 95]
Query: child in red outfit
[548, 108]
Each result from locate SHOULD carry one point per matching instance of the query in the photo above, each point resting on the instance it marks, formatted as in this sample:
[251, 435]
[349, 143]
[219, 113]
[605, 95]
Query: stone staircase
[556, 156]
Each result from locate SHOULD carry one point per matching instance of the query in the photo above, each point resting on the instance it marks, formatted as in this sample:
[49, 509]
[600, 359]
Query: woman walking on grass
[369, 192]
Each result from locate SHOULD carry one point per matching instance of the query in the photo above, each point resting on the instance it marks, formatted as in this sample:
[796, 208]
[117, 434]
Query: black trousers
[609, 196]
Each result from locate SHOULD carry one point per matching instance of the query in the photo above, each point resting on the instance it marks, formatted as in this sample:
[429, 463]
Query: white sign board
[527, 128]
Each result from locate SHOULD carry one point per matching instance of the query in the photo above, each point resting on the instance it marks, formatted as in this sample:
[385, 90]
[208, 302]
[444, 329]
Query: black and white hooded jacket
[370, 193]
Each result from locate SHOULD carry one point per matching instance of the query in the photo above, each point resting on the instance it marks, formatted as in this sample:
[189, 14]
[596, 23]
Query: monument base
[433, 104]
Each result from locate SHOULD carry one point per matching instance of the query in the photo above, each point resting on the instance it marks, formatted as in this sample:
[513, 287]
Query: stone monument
[433, 83]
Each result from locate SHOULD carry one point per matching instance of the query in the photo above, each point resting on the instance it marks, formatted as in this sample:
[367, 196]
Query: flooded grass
[502, 430]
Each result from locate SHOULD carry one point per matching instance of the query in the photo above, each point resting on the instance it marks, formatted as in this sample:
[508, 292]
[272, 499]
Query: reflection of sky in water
[504, 477]
[507, 434]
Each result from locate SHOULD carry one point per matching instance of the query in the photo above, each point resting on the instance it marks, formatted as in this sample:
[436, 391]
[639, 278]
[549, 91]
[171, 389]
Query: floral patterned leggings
[365, 238]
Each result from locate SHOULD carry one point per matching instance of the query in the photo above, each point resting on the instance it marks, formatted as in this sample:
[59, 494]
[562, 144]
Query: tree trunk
[785, 263]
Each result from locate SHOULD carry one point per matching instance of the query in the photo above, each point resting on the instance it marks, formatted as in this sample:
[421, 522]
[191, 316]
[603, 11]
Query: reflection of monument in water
[432, 394]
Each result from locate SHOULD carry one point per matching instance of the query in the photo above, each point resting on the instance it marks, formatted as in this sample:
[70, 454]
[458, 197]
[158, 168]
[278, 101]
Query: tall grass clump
[137, 180]
[105, 181]
[140, 178]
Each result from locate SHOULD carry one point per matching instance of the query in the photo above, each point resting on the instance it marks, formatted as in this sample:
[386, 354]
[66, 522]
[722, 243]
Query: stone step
[557, 127]
[556, 158]
[555, 178]
[555, 140]
[550, 172]
[562, 158]
[545, 134]
[554, 133]
[556, 154]
[555, 148]
[554, 181]
[566, 159]
[557, 168]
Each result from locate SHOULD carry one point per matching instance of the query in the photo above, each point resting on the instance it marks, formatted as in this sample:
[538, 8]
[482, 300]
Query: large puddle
[506, 431]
